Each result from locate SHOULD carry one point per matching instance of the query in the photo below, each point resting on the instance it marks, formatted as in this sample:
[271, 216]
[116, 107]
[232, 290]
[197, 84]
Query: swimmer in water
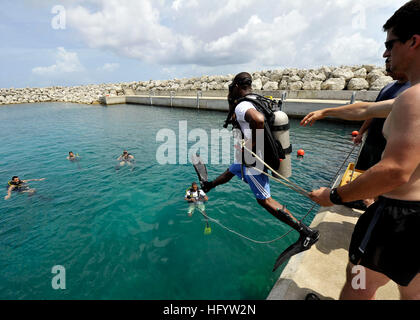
[20, 186]
[196, 197]
[73, 157]
[126, 158]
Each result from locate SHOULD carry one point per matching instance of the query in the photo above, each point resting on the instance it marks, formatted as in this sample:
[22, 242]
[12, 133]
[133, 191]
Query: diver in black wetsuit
[20, 186]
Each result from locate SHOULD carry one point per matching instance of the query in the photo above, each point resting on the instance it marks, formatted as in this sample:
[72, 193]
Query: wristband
[335, 197]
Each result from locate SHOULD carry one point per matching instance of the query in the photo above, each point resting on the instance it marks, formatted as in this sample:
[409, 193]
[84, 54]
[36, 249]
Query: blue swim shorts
[258, 182]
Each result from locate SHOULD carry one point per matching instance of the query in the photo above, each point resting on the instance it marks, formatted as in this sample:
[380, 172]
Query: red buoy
[355, 133]
[301, 153]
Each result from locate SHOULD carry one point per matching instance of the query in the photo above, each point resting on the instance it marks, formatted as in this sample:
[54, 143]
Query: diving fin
[200, 169]
[304, 243]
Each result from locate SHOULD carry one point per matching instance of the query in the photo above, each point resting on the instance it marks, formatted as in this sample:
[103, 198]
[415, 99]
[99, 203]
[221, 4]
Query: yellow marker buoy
[207, 230]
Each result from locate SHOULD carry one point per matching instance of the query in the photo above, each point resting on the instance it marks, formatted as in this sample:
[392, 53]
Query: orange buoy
[301, 153]
[355, 133]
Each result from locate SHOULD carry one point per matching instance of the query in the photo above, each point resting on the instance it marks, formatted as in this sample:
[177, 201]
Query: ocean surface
[125, 234]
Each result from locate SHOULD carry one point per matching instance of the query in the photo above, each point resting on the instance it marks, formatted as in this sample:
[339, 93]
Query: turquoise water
[125, 234]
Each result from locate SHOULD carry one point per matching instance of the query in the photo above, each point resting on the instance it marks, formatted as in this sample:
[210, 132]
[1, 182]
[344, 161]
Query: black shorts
[386, 239]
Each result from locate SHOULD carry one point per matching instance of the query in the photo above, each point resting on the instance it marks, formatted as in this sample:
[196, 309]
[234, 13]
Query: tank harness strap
[289, 150]
[281, 128]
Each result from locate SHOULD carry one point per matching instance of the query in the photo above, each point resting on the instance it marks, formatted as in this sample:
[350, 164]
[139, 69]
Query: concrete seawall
[295, 108]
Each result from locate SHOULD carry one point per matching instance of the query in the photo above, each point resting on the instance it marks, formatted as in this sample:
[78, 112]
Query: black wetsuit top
[375, 143]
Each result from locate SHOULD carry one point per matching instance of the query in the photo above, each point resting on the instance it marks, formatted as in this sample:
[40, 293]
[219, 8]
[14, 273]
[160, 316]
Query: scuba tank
[281, 132]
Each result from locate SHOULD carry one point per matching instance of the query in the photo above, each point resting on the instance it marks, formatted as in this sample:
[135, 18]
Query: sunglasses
[390, 44]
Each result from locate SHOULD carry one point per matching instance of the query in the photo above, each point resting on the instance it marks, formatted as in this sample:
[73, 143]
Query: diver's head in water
[194, 186]
[15, 179]
[71, 154]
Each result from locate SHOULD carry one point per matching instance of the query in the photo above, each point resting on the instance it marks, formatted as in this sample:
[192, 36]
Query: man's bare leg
[374, 280]
[222, 179]
[412, 292]
[281, 213]
[273, 207]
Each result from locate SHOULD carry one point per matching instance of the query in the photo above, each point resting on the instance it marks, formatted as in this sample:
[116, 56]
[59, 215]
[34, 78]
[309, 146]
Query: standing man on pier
[385, 240]
[375, 142]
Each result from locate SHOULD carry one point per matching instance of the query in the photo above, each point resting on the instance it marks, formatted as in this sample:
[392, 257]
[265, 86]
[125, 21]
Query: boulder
[255, 76]
[196, 85]
[334, 84]
[327, 71]
[360, 73]
[380, 83]
[295, 86]
[283, 85]
[257, 84]
[374, 75]
[295, 78]
[313, 76]
[212, 85]
[357, 84]
[346, 74]
[276, 76]
[369, 67]
[271, 86]
[264, 80]
[312, 85]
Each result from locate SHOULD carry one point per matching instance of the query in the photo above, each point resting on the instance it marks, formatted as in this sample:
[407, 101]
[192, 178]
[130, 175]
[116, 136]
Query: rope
[305, 194]
[248, 238]
[296, 187]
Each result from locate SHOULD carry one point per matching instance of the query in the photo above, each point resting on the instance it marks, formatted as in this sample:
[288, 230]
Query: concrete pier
[322, 269]
[295, 108]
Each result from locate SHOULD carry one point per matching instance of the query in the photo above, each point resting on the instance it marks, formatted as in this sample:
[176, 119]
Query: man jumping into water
[385, 239]
[251, 121]
[20, 186]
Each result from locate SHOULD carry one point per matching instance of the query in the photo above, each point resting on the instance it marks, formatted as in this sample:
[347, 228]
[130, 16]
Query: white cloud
[66, 62]
[180, 4]
[109, 67]
[248, 33]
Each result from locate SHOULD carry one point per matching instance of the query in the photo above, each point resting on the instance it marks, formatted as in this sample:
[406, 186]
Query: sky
[76, 42]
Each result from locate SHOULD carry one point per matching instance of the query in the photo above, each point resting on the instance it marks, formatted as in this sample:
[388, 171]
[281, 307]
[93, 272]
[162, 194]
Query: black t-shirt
[375, 143]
